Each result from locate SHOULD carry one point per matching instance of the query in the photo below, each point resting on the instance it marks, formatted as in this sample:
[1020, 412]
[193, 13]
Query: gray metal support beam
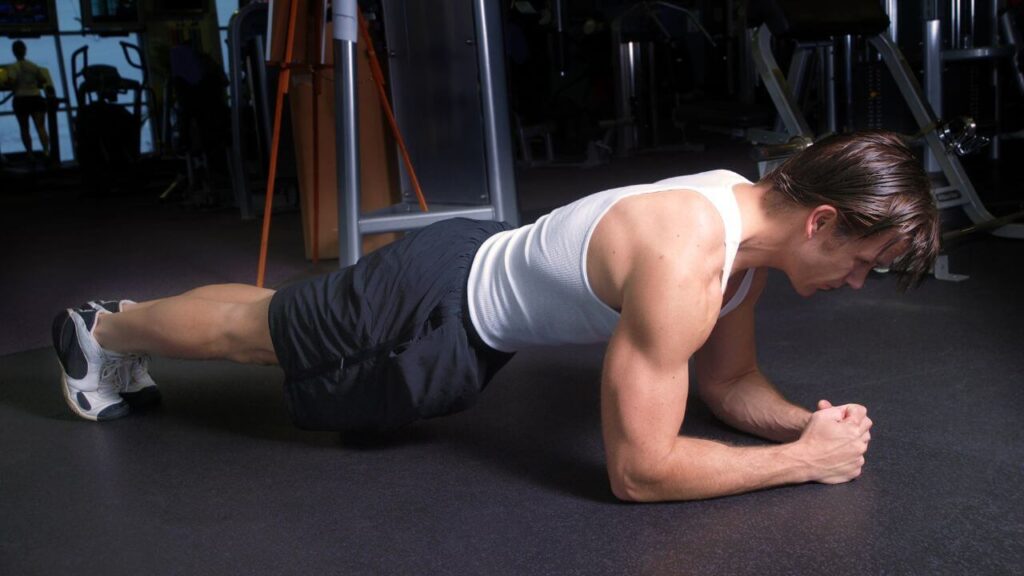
[777, 86]
[347, 130]
[494, 95]
[933, 78]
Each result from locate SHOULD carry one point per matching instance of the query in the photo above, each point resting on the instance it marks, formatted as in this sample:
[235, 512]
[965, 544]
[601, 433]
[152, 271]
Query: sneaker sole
[112, 412]
[148, 397]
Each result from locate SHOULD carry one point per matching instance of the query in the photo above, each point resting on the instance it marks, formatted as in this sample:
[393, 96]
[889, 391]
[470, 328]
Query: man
[28, 79]
[664, 272]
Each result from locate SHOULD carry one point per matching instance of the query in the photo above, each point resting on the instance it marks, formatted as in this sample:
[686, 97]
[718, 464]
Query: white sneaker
[91, 377]
[139, 389]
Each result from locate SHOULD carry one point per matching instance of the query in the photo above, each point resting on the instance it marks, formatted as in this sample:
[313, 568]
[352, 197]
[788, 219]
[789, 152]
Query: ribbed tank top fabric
[528, 286]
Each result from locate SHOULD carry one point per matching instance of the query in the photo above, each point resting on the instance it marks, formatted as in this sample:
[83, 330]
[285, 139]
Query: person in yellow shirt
[28, 79]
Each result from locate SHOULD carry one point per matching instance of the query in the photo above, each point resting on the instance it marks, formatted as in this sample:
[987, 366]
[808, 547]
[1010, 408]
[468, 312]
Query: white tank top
[529, 287]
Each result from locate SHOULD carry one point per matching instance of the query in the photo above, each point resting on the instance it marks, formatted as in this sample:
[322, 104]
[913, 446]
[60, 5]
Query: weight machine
[812, 26]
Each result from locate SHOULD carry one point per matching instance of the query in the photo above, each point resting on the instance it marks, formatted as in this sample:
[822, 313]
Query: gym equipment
[106, 134]
[246, 42]
[960, 47]
[805, 21]
[447, 70]
[378, 78]
[635, 34]
[283, 79]
[196, 123]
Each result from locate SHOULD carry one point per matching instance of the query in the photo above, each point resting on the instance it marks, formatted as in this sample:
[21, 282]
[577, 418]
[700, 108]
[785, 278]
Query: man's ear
[820, 218]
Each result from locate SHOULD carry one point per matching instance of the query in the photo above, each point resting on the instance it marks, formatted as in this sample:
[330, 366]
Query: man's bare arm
[644, 389]
[752, 404]
[730, 382]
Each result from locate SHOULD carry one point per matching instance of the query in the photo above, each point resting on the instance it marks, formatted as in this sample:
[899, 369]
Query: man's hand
[834, 442]
[855, 411]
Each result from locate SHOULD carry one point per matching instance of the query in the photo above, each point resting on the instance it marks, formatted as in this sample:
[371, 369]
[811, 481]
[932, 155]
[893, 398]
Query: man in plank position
[663, 272]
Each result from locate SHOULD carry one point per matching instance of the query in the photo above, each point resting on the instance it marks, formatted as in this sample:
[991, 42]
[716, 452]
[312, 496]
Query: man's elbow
[637, 483]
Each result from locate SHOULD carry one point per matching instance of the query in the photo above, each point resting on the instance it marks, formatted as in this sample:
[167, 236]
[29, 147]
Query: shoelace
[114, 372]
[141, 361]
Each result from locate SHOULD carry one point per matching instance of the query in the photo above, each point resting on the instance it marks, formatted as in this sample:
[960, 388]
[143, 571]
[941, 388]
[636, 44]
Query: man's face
[827, 262]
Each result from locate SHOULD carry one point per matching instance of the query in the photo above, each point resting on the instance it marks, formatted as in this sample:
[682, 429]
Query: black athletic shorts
[25, 106]
[388, 341]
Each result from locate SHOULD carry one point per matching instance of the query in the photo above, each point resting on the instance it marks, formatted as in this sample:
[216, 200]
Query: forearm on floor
[697, 469]
[752, 404]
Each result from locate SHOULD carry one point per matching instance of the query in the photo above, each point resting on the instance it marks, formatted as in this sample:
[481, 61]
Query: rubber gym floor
[217, 481]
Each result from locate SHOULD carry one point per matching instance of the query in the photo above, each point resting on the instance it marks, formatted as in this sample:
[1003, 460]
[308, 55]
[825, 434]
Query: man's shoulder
[683, 237]
[664, 229]
[680, 220]
[663, 241]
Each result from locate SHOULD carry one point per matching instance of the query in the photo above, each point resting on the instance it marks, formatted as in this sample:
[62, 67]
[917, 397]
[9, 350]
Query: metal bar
[828, 59]
[996, 147]
[346, 131]
[955, 26]
[394, 219]
[969, 37]
[848, 79]
[892, 9]
[67, 96]
[796, 76]
[260, 76]
[239, 180]
[954, 236]
[625, 58]
[559, 39]
[980, 53]
[258, 132]
[777, 86]
[933, 78]
[498, 156]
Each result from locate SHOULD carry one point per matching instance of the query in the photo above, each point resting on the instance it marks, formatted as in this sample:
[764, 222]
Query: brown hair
[875, 183]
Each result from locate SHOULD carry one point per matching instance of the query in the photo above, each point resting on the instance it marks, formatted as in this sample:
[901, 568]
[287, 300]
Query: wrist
[796, 464]
[795, 423]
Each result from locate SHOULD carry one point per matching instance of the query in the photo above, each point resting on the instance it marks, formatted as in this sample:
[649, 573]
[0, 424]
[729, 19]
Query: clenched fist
[833, 444]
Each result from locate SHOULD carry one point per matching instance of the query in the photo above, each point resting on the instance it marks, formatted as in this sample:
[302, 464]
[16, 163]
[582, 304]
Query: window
[225, 9]
[44, 51]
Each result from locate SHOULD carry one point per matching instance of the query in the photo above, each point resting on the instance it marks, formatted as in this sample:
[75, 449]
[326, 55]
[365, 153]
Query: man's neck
[765, 237]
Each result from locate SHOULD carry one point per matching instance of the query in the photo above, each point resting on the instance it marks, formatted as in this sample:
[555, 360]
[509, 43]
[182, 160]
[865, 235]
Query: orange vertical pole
[282, 88]
[314, 69]
[316, 164]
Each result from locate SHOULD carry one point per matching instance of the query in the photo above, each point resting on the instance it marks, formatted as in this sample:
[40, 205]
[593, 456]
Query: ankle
[103, 332]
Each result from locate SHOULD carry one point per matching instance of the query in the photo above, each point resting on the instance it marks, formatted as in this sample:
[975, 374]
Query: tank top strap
[724, 201]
